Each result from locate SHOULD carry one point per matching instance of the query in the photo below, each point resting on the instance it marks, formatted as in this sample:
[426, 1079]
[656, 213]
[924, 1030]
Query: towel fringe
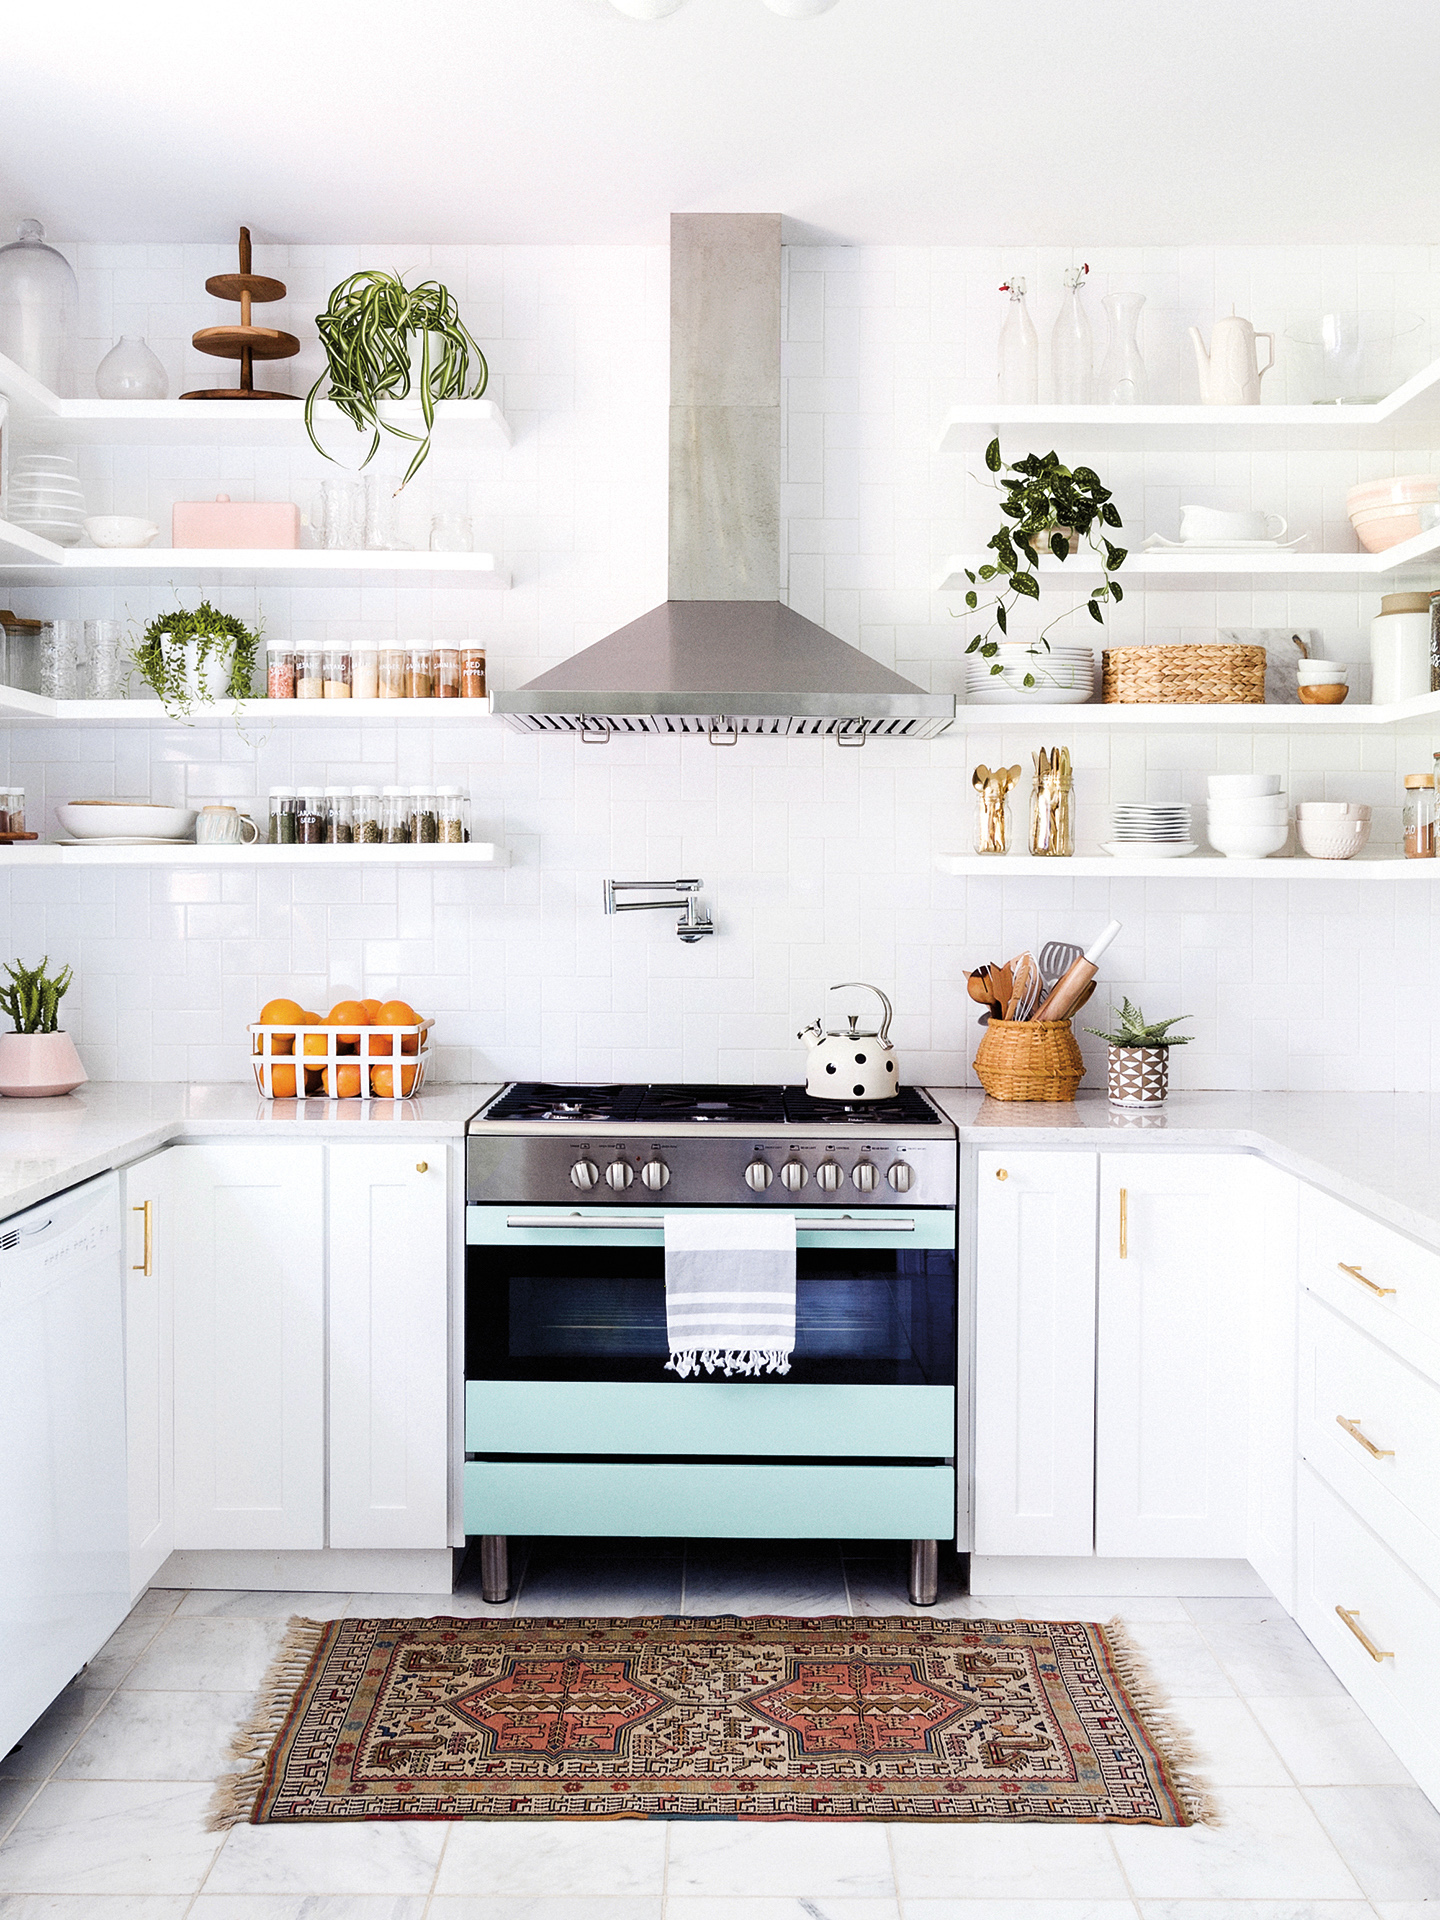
[236, 1793]
[747, 1360]
[1173, 1740]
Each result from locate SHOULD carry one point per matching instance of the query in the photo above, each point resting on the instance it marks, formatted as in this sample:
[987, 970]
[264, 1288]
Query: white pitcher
[1230, 375]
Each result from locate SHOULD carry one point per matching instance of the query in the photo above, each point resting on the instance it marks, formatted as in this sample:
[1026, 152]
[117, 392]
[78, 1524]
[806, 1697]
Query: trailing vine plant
[161, 654]
[1044, 500]
[366, 330]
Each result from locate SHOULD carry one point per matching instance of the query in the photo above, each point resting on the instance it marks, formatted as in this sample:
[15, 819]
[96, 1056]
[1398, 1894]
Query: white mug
[1212, 526]
[224, 827]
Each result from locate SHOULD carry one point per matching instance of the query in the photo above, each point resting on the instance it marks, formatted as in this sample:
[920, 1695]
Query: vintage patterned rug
[752, 1719]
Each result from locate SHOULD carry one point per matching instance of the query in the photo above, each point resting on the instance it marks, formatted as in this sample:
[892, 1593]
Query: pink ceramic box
[223, 522]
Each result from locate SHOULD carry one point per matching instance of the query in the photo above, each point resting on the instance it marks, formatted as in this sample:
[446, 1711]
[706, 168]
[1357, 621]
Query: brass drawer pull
[1352, 1427]
[1124, 1224]
[1377, 1654]
[422, 1166]
[1001, 1173]
[1355, 1274]
[144, 1266]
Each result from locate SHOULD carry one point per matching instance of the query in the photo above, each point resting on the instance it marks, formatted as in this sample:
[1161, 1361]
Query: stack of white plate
[45, 497]
[1158, 832]
[1063, 676]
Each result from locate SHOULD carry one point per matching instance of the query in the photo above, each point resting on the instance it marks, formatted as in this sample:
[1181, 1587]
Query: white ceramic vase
[36, 1066]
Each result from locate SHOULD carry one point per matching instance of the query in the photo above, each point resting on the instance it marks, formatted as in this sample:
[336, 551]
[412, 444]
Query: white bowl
[1332, 839]
[120, 530]
[1254, 842]
[1242, 813]
[1242, 786]
[1331, 810]
[127, 819]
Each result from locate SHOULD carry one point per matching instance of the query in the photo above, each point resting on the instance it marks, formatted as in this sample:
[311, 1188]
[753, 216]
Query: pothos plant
[1046, 504]
[165, 662]
[366, 331]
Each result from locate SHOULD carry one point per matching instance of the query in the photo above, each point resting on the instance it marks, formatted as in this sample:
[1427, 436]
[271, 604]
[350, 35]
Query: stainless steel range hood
[724, 655]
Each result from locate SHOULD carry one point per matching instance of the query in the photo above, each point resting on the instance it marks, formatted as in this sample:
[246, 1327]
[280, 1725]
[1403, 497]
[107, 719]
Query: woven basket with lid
[1225, 675]
[1029, 1060]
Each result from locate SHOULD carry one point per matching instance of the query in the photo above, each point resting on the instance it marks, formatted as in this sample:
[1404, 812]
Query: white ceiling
[926, 121]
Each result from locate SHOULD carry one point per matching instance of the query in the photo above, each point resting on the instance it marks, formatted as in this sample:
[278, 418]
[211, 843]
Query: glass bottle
[1072, 352]
[1123, 379]
[472, 672]
[395, 816]
[420, 673]
[279, 670]
[447, 673]
[38, 298]
[1418, 818]
[339, 830]
[365, 815]
[337, 673]
[282, 817]
[450, 810]
[310, 817]
[309, 673]
[394, 660]
[1019, 349]
[365, 670]
[130, 371]
[424, 820]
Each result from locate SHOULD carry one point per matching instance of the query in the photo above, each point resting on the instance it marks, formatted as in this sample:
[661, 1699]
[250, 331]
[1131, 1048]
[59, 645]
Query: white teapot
[1230, 374]
[857, 1063]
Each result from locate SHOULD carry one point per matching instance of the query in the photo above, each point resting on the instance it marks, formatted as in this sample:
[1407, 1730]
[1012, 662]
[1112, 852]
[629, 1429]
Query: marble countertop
[1379, 1151]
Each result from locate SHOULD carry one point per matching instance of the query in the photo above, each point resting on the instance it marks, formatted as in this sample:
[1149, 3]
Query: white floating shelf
[36, 709]
[1123, 714]
[42, 416]
[474, 853]
[1411, 559]
[1407, 417]
[1195, 866]
[25, 556]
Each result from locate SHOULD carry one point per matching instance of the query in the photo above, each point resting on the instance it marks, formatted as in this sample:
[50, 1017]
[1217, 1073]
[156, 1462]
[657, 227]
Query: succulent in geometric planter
[38, 1059]
[1138, 1063]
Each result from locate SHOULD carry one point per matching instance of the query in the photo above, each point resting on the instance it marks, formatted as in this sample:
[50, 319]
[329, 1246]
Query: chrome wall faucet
[694, 922]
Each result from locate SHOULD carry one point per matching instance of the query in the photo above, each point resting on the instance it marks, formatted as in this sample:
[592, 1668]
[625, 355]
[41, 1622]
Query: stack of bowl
[1322, 683]
[1332, 829]
[45, 497]
[1247, 816]
[1385, 512]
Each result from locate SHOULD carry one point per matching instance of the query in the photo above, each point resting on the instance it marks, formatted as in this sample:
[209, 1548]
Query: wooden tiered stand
[245, 343]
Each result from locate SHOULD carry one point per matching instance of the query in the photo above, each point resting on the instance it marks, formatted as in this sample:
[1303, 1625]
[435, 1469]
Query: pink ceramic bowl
[1377, 528]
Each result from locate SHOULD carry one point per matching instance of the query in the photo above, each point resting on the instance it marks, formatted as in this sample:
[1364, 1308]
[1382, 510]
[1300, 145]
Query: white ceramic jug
[856, 1064]
[1230, 375]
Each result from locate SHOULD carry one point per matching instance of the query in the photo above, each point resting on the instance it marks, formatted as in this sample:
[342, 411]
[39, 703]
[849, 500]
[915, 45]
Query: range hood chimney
[724, 655]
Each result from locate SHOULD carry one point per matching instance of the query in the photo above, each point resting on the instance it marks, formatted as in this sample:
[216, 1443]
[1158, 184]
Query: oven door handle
[612, 1223]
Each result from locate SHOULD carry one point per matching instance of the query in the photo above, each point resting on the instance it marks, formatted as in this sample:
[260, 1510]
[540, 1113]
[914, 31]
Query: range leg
[924, 1572]
[495, 1567]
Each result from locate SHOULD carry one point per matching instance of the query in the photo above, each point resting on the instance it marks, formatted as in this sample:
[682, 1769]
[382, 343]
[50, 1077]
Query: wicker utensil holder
[1029, 1060]
[1184, 676]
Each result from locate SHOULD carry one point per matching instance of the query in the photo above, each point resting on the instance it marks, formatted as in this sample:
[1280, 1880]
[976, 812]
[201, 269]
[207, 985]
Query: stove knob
[901, 1176]
[584, 1174]
[758, 1176]
[865, 1176]
[618, 1175]
[793, 1175]
[655, 1174]
[829, 1175]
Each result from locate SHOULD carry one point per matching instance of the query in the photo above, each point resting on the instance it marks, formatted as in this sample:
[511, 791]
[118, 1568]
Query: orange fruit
[282, 1083]
[382, 1081]
[399, 1013]
[372, 1007]
[315, 1043]
[347, 1082]
[278, 1013]
[379, 1044]
[342, 1013]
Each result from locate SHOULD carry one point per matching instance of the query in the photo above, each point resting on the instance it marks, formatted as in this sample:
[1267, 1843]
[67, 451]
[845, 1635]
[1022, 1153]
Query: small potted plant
[1138, 1071]
[38, 1059]
[198, 655]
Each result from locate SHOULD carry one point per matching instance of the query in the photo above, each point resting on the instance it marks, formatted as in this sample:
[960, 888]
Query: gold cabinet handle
[144, 1266]
[1352, 1427]
[422, 1166]
[1377, 1654]
[1001, 1173]
[1124, 1224]
[1355, 1274]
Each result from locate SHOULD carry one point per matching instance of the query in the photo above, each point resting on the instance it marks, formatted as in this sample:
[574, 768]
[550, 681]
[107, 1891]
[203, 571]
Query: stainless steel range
[574, 1426]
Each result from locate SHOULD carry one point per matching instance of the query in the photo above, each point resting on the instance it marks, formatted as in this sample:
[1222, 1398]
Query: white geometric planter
[1138, 1076]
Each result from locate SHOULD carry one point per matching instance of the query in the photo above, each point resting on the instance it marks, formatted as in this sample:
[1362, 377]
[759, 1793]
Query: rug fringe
[237, 1792]
[1176, 1745]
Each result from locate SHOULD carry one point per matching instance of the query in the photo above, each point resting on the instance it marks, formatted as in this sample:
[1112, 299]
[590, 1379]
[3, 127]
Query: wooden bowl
[1328, 693]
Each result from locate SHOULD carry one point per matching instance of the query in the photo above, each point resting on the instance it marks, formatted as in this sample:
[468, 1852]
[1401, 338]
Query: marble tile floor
[102, 1806]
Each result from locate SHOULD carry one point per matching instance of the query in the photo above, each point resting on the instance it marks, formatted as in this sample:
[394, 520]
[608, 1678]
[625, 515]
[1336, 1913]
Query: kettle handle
[1260, 372]
[882, 998]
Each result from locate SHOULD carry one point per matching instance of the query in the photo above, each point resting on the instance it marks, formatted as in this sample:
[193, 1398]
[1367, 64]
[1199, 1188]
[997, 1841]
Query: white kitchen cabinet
[149, 1239]
[248, 1249]
[1176, 1245]
[1272, 1280]
[389, 1342]
[1035, 1353]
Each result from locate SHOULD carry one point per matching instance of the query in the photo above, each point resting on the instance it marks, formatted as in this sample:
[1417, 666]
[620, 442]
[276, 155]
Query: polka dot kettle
[853, 1062]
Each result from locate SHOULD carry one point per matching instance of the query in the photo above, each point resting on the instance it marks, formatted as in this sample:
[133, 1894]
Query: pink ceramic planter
[34, 1066]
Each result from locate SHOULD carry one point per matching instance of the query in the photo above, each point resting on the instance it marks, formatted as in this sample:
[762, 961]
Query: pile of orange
[385, 1081]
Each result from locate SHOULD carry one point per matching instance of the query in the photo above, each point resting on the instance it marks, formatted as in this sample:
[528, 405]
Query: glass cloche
[38, 297]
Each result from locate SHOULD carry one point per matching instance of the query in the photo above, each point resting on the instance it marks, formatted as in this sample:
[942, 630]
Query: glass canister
[393, 662]
[1419, 816]
[420, 672]
[365, 815]
[450, 815]
[339, 820]
[282, 817]
[337, 673]
[309, 673]
[1052, 805]
[365, 670]
[12, 809]
[310, 817]
[38, 298]
[424, 819]
[279, 670]
[447, 673]
[472, 673]
[395, 816]
[22, 651]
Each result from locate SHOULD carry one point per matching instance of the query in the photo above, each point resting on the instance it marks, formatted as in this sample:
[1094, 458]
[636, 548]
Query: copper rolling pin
[1064, 996]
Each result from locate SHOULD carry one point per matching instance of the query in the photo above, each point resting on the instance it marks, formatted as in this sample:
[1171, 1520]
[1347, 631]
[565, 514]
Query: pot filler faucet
[694, 922]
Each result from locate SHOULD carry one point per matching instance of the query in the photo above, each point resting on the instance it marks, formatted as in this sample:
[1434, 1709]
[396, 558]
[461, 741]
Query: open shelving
[17, 706]
[1194, 866]
[184, 853]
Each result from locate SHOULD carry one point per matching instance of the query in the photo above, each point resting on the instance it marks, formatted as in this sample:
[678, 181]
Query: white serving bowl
[1242, 813]
[1332, 839]
[125, 820]
[120, 530]
[1253, 842]
[1243, 786]
[1331, 810]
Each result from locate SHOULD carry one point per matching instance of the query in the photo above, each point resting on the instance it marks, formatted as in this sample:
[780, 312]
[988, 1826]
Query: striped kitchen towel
[730, 1292]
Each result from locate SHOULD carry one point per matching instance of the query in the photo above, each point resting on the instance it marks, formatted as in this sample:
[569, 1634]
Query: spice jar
[337, 673]
[420, 673]
[450, 812]
[472, 673]
[365, 670]
[279, 670]
[395, 816]
[282, 816]
[365, 815]
[424, 817]
[393, 662]
[447, 673]
[1419, 816]
[12, 809]
[309, 673]
[310, 817]
[338, 817]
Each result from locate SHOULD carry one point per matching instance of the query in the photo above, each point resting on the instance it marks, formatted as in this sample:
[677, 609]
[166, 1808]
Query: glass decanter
[1072, 352]
[1123, 379]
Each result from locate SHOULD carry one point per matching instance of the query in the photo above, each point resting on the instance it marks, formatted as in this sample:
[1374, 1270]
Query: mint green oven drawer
[717, 1502]
[722, 1416]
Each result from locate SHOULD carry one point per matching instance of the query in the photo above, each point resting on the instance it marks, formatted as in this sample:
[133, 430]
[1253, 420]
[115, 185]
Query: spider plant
[366, 331]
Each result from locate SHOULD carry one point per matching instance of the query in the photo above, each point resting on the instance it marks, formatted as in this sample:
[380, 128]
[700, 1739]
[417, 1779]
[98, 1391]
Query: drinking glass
[343, 509]
[60, 659]
[451, 533]
[107, 666]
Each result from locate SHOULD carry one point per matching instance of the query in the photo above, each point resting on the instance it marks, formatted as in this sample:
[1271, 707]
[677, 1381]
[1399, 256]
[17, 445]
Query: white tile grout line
[450, 1826]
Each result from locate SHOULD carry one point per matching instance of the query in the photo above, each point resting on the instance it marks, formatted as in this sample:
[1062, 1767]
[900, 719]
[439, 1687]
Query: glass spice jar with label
[365, 670]
[282, 817]
[310, 817]
[338, 827]
[1418, 818]
[447, 673]
[279, 670]
[394, 663]
[395, 816]
[424, 820]
[337, 673]
[309, 673]
[420, 673]
[365, 815]
[472, 673]
[450, 812]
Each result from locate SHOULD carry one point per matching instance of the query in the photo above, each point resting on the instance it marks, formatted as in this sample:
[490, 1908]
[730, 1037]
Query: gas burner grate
[761, 1104]
[547, 1100]
[907, 1108]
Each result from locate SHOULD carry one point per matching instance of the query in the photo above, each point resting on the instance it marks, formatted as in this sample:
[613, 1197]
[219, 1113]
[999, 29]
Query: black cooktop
[765, 1106]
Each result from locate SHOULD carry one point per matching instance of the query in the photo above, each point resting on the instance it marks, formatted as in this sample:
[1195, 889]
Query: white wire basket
[375, 1063]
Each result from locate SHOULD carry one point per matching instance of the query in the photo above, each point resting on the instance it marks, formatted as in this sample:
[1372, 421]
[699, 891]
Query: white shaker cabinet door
[1271, 1348]
[149, 1241]
[1035, 1353]
[249, 1265]
[1172, 1428]
[389, 1346]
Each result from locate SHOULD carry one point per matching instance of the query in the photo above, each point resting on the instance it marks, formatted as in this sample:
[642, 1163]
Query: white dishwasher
[64, 1564]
